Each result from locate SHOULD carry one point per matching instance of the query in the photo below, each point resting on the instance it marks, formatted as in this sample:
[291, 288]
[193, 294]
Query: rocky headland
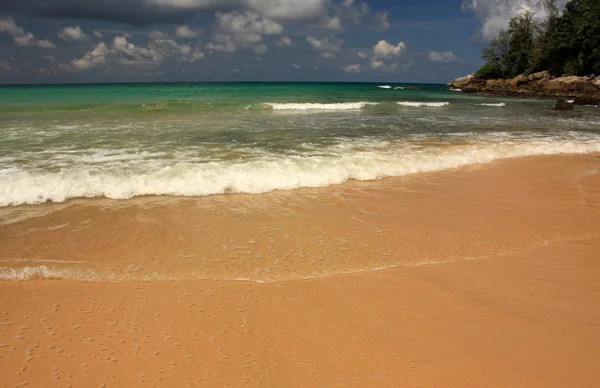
[582, 90]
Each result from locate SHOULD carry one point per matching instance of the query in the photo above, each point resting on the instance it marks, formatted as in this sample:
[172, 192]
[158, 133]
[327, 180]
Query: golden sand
[512, 299]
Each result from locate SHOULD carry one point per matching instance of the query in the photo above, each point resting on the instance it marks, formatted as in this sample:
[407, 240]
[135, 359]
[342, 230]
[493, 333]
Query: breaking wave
[318, 106]
[499, 105]
[356, 160]
[417, 104]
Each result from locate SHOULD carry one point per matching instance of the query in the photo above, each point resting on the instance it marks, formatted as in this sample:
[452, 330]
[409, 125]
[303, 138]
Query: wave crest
[418, 104]
[319, 106]
[359, 160]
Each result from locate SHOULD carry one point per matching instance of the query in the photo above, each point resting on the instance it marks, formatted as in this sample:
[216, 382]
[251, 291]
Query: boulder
[586, 87]
[586, 100]
[563, 105]
[519, 80]
[539, 76]
[461, 82]
[470, 89]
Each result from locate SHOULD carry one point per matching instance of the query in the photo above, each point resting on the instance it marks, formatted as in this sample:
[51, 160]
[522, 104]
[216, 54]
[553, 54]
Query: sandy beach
[482, 276]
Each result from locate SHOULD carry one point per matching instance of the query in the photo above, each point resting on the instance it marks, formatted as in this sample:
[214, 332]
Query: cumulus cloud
[354, 68]
[385, 50]
[185, 31]
[97, 34]
[73, 34]
[242, 29]
[284, 41]
[446, 56]
[22, 37]
[353, 12]
[331, 14]
[326, 44]
[122, 52]
[495, 14]
[386, 56]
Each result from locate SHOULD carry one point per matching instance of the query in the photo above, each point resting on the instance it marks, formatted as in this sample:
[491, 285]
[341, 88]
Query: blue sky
[247, 40]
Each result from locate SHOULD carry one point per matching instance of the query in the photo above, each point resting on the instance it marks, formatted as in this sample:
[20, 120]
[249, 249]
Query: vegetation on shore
[563, 44]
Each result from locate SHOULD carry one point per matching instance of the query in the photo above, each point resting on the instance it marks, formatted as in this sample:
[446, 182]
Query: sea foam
[318, 106]
[359, 160]
[416, 104]
[498, 105]
[384, 86]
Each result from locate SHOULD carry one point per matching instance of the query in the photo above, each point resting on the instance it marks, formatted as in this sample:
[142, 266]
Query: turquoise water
[119, 141]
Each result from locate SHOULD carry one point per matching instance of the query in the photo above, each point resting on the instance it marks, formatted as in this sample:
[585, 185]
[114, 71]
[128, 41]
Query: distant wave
[455, 90]
[417, 104]
[500, 104]
[317, 106]
[384, 86]
[399, 88]
[336, 164]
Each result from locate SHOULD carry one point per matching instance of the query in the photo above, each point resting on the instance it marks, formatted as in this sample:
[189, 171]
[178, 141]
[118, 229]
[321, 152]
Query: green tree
[573, 47]
[519, 57]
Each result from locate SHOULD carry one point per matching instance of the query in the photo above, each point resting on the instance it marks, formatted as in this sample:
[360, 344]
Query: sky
[90, 41]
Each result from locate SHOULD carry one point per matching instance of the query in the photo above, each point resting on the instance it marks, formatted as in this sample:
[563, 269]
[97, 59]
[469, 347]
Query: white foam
[399, 88]
[317, 106]
[455, 90]
[357, 159]
[500, 104]
[384, 86]
[417, 104]
[43, 272]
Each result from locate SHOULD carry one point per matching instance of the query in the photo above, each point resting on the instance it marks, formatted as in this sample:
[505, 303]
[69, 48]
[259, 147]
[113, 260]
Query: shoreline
[300, 234]
[523, 312]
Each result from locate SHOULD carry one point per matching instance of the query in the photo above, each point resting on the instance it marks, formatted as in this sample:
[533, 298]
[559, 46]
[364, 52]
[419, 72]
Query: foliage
[567, 44]
[491, 70]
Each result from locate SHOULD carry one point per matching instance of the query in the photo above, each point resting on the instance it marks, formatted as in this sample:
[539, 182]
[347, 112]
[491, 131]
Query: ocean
[60, 142]
[167, 182]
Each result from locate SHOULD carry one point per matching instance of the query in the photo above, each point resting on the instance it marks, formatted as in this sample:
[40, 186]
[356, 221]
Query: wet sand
[496, 283]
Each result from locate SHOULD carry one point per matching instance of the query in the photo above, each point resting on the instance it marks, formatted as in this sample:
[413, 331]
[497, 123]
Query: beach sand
[491, 278]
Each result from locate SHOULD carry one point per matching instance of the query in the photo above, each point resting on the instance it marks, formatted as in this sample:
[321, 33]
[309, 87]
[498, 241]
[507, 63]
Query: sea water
[59, 142]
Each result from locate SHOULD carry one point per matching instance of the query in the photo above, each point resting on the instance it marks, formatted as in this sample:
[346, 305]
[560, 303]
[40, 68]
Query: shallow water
[120, 141]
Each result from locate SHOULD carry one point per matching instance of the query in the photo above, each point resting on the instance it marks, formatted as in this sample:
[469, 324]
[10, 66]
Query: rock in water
[563, 105]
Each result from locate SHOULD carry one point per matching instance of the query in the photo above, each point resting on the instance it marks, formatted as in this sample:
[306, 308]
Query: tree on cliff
[567, 44]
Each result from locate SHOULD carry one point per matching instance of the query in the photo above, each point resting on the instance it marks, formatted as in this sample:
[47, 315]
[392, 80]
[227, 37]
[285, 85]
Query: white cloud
[297, 67]
[326, 44]
[386, 56]
[73, 34]
[355, 68]
[280, 10]
[362, 55]
[242, 29]
[495, 14]
[97, 34]
[284, 41]
[184, 31]
[446, 56]
[383, 49]
[22, 37]
[122, 52]
[343, 12]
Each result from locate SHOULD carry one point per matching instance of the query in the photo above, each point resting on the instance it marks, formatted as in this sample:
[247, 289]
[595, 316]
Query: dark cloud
[136, 12]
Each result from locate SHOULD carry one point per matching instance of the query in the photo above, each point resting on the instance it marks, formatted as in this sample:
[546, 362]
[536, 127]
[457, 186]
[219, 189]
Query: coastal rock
[586, 100]
[459, 83]
[539, 76]
[563, 105]
[540, 84]
[519, 80]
